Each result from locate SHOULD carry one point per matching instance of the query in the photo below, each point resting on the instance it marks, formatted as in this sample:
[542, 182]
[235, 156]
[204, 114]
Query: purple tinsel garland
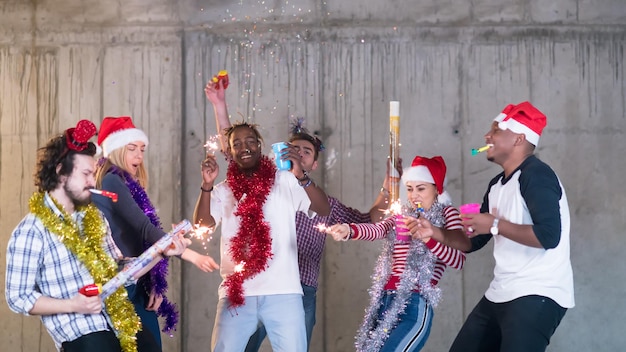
[157, 281]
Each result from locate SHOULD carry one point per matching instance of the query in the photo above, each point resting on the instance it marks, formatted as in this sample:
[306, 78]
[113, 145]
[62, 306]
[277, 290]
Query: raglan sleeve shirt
[130, 226]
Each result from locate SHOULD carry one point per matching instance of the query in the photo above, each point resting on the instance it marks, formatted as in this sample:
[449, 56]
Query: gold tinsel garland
[88, 248]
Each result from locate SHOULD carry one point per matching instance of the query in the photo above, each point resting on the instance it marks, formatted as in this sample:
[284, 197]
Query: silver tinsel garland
[417, 273]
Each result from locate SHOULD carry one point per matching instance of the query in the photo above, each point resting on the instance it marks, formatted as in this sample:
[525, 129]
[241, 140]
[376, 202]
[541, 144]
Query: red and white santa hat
[523, 118]
[116, 132]
[431, 170]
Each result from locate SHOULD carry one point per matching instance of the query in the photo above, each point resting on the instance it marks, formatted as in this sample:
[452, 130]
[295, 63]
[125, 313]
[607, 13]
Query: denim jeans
[149, 337]
[309, 302]
[413, 326]
[282, 316]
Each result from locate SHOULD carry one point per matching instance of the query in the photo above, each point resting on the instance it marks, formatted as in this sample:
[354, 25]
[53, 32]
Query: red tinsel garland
[252, 246]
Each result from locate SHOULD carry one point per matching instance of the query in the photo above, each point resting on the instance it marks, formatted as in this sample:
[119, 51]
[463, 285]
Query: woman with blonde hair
[135, 225]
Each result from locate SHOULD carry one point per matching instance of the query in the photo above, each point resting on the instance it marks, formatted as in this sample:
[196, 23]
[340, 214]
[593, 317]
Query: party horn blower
[221, 76]
[481, 149]
[144, 259]
[108, 194]
[91, 290]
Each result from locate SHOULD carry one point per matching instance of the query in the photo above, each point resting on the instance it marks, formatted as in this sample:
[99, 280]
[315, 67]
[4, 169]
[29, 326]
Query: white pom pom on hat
[523, 118]
[431, 170]
[116, 132]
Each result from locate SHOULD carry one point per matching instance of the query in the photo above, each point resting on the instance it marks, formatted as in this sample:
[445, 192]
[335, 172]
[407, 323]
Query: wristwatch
[494, 227]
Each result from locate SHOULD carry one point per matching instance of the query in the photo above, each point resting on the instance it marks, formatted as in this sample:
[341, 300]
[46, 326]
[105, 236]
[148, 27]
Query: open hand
[154, 302]
[205, 263]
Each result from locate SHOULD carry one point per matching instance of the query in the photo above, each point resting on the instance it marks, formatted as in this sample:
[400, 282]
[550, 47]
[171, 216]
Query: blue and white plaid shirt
[38, 264]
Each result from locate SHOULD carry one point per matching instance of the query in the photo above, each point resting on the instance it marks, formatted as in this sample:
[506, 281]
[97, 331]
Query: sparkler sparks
[395, 208]
[240, 267]
[202, 233]
[212, 144]
[322, 228]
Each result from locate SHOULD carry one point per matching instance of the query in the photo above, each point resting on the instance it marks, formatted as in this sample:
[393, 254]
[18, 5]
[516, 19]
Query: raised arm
[215, 93]
[381, 204]
[202, 211]
[319, 199]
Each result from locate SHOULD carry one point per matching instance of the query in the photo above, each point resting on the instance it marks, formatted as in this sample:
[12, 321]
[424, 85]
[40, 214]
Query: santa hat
[116, 132]
[523, 118]
[431, 170]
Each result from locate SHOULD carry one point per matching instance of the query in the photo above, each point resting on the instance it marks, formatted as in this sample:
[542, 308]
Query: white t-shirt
[285, 199]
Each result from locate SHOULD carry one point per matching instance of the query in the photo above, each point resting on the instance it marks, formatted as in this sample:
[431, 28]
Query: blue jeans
[413, 326]
[309, 301]
[282, 316]
[523, 324]
[149, 337]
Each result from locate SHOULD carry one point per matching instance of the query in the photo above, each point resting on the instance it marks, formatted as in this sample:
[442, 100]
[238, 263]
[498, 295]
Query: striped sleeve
[371, 232]
[447, 255]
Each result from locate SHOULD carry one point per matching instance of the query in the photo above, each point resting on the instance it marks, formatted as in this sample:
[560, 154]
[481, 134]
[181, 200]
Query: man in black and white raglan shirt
[526, 213]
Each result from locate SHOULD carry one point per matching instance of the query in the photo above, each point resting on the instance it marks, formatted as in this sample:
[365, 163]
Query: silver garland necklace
[418, 272]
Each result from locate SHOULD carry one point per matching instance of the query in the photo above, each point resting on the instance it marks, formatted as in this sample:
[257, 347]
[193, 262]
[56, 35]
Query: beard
[77, 197]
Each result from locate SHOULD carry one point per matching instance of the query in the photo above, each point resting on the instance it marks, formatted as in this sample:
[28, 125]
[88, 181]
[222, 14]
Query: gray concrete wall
[452, 65]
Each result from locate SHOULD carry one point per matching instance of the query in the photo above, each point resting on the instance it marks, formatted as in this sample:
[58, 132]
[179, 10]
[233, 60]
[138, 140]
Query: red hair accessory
[77, 138]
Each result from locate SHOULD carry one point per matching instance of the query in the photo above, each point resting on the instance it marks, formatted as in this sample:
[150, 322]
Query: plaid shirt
[38, 264]
[311, 241]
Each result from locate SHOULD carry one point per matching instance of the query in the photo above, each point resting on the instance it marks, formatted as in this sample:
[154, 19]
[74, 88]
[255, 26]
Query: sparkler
[322, 228]
[239, 267]
[212, 145]
[202, 233]
[395, 208]
[108, 194]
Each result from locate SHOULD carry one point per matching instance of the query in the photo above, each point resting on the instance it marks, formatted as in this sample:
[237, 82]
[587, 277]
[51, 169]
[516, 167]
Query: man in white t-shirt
[256, 206]
[525, 212]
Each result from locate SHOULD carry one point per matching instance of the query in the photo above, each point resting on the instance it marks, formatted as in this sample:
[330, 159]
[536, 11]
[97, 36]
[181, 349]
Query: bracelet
[304, 178]
[206, 190]
[350, 234]
[309, 182]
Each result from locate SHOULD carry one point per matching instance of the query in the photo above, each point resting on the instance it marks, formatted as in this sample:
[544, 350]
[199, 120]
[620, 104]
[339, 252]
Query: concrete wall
[452, 65]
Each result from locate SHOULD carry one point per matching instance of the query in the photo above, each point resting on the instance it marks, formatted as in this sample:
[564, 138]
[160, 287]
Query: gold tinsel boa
[88, 248]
